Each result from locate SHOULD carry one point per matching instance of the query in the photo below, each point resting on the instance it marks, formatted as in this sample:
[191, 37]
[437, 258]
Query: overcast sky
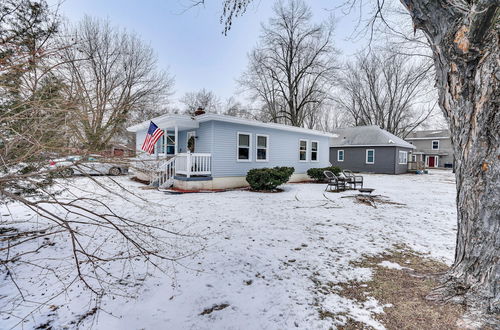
[189, 42]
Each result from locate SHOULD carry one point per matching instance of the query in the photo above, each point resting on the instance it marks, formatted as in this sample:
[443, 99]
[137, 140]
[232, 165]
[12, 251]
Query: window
[314, 151]
[435, 145]
[262, 148]
[340, 155]
[170, 142]
[403, 157]
[414, 158]
[302, 150]
[166, 143]
[244, 147]
[370, 156]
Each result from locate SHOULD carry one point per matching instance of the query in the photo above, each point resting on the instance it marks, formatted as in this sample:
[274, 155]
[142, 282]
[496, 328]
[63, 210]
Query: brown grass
[404, 289]
[214, 308]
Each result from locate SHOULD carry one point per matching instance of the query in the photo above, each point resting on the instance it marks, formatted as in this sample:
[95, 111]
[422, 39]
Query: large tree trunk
[465, 45]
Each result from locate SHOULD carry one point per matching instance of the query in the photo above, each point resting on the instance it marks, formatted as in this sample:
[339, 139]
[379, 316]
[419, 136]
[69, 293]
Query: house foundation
[209, 183]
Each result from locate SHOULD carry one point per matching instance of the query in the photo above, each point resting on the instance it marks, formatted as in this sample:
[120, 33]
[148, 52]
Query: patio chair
[334, 181]
[353, 180]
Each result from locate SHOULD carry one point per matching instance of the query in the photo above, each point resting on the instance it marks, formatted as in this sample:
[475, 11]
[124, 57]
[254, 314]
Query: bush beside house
[317, 173]
[269, 178]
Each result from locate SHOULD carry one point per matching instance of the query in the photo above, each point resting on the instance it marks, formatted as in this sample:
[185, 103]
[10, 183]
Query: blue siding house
[212, 151]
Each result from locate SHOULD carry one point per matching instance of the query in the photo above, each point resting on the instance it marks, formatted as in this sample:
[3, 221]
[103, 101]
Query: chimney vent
[199, 111]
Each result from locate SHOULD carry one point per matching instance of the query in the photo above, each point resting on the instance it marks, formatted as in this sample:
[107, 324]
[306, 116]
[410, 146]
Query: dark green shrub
[317, 173]
[268, 178]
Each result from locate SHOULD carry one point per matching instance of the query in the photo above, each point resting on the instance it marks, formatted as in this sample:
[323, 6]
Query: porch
[184, 167]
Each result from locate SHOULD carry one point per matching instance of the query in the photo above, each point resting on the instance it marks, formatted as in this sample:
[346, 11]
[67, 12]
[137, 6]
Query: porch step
[167, 184]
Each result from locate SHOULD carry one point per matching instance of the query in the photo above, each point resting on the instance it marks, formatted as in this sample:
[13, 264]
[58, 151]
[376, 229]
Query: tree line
[80, 85]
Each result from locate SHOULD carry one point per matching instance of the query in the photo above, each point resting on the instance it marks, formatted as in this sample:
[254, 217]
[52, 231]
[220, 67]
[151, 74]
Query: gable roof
[367, 136]
[186, 120]
[429, 134]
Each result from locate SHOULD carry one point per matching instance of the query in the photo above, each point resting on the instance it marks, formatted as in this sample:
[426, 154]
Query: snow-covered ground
[262, 259]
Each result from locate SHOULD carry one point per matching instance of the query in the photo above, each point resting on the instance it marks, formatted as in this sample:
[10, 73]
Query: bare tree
[387, 89]
[110, 75]
[234, 108]
[291, 70]
[201, 99]
[464, 39]
[68, 241]
[330, 117]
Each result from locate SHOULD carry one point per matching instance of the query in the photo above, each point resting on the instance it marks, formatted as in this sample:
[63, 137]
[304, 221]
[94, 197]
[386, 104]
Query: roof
[429, 134]
[367, 136]
[186, 121]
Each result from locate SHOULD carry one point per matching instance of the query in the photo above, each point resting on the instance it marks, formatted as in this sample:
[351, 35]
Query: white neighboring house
[212, 151]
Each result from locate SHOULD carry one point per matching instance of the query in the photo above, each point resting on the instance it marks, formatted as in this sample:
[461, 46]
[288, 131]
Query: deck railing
[190, 164]
[416, 165]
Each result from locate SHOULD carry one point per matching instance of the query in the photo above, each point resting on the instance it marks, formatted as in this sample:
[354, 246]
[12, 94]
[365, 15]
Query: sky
[189, 42]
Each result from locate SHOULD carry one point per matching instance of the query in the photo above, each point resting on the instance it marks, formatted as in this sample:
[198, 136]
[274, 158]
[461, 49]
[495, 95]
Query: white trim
[432, 145]
[436, 161]
[366, 158]
[399, 158]
[257, 147]
[307, 150]
[343, 155]
[317, 151]
[167, 121]
[249, 147]
[409, 146]
[176, 132]
[236, 120]
[429, 138]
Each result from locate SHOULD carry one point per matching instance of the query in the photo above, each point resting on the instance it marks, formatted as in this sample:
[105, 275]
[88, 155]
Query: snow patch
[391, 265]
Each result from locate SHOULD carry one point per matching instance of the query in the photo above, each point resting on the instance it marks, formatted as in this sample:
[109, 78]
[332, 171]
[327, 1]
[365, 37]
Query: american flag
[154, 133]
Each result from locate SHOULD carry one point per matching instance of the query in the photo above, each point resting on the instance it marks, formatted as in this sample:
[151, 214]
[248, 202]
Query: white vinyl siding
[314, 151]
[370, 156]
[340, 155]
[302, 150]
[262, 148]
[244, 142]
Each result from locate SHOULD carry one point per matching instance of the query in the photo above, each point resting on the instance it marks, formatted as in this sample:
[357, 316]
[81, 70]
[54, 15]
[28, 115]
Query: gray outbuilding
[369, 149]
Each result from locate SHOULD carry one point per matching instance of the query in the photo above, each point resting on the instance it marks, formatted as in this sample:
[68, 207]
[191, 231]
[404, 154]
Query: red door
[431, 161]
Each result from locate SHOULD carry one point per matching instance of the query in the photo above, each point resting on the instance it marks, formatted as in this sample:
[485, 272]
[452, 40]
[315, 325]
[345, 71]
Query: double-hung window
[435, 145]
[302, 150]
[370, 156]
[314, 151]
[244, 147]
[403, 157]
[262, 148]
[340, 155]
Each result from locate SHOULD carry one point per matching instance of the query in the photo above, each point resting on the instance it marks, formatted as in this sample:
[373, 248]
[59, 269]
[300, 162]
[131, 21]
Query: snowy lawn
[261, 259]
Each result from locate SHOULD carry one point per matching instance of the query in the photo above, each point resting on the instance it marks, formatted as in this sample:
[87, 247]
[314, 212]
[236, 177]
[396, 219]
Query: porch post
[188, 165]
[176, 139]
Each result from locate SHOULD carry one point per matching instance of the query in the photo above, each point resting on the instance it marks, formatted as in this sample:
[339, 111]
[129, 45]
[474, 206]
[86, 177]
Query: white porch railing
[166, 172]
[189, 164]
